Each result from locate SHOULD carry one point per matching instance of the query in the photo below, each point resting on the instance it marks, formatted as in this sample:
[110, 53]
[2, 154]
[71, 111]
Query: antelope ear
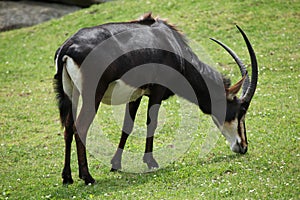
[233, 90]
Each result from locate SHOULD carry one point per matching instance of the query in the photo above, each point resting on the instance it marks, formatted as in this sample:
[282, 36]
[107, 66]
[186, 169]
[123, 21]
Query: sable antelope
[76, 76]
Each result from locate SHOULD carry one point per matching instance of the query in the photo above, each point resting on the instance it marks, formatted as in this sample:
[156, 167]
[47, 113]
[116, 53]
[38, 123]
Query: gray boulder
[18, 14]
[83, 3]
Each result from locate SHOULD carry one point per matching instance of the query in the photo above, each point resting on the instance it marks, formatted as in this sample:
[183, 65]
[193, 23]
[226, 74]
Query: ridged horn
[254, 76]
[248, 87]
[239, 62]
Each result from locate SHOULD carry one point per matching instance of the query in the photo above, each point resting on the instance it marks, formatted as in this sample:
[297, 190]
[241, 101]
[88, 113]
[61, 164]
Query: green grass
[31, 140]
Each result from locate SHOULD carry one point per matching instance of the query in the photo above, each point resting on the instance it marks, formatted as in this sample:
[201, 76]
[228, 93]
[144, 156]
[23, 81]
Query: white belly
[118, 92]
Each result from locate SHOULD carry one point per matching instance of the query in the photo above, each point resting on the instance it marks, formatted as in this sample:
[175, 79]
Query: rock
[83, 3]
[18, 14]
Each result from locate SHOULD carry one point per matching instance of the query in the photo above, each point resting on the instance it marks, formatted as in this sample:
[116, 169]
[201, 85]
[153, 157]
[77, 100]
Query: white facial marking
[229, 130]
[118, 92]
[242, 130]
[71, 76]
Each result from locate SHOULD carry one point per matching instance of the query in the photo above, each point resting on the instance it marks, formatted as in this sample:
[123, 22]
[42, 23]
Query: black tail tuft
[64, 103]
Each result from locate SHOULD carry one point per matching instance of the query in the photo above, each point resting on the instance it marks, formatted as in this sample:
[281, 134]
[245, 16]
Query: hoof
[115, 166]
[89, 180]
[152, 165]
[114, 170]
[115, 163]
[67, 181]
[151, 162]
[67, 177]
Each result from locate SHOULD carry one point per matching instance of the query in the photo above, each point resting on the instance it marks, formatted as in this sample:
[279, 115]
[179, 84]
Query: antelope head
[234, 128]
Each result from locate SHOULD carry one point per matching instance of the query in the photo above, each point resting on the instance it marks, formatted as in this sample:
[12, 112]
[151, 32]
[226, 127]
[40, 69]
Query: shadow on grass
[224, 158]
[116, 183]
[123, 183]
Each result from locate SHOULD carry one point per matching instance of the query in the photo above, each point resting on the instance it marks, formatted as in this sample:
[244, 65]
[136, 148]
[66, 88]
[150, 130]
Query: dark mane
[145, 19]
[148, 19]
[226, 81]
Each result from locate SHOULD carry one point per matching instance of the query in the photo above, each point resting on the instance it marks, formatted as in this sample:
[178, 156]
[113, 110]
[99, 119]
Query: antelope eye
[242, 113]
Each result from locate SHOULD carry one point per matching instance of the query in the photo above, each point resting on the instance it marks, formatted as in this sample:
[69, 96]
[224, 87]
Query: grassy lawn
[31, 139]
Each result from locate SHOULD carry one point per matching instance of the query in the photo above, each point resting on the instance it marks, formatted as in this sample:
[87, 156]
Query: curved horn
[251, 90]
[238, 62]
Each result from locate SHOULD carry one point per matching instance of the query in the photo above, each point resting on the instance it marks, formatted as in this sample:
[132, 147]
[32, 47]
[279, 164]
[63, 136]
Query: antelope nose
[243, 150]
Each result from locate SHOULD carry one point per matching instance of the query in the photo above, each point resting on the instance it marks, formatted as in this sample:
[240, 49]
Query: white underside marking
[56, 64]
[71, 76]
[118, 92]
[67, 83]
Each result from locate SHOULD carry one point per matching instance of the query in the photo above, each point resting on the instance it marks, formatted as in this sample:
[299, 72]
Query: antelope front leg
[153, 107]
[151, 126]
[148, 156]
[130, 113]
